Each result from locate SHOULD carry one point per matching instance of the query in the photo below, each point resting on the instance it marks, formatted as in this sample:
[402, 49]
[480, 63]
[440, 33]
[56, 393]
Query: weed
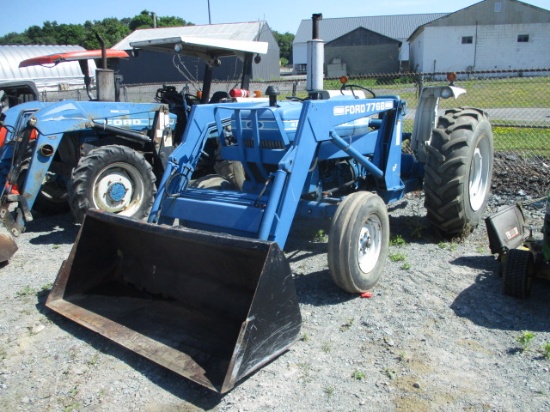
[329, 391]
[93, 360]
[417, 232]
[306, 369]
[26, 291]
[406, 266]
[546, 350]
[358, 375]
[525, 339]
[450, 246]
[480, 250]
[56, 246]
[402, 356]
[326, 347]
[397, 240]
[397, 257]
[391, 373]
[44, 290]
[305, 337]
[320, 236]
[347, 325]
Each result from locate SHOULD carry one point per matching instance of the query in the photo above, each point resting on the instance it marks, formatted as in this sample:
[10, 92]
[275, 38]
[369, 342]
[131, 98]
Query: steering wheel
[356, 86]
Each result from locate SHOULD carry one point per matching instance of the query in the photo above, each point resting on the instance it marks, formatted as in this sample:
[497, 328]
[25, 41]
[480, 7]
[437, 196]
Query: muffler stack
[210, 307]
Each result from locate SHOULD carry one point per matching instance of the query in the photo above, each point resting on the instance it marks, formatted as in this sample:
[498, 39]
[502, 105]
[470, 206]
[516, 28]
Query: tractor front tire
[459, 167]
[358, 242]
[518, 272]
[114, 179]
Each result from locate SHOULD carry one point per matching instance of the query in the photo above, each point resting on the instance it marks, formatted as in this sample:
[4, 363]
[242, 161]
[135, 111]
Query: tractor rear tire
[518, 273]
[358, 242]
[114, 179]
[459, 167]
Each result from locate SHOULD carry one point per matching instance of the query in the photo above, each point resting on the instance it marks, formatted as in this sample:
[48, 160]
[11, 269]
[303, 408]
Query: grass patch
[25, 292]
[397, 240]
[358, 375]
[397, 257]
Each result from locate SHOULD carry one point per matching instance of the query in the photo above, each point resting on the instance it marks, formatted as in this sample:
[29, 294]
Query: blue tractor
[101, 154]
[204, 288]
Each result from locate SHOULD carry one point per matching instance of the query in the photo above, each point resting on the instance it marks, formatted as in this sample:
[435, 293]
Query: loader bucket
[210, 307]
[8, 247]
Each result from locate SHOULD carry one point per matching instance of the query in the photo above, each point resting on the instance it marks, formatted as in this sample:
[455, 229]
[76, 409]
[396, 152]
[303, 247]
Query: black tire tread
[445, 181]
[517, 274]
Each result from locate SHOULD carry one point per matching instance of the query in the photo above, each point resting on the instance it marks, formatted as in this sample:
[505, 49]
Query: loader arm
[262, 140]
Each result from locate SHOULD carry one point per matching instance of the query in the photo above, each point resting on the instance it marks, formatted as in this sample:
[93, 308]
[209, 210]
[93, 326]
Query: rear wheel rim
[479, 174]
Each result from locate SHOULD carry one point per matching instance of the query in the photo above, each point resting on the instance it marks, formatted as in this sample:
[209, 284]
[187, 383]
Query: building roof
[231, 31]
[46, 78]
[398, 27]
[485, 13]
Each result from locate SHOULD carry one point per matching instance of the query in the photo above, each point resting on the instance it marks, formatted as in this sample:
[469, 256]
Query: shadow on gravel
[484, 304]
[56, 229]
[177, 385]
[318, 289]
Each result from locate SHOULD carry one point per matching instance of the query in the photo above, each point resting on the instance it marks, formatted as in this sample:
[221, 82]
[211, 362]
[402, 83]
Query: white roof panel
[44, 77]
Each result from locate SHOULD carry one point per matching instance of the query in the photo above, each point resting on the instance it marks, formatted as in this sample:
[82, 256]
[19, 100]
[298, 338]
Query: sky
[281, 15]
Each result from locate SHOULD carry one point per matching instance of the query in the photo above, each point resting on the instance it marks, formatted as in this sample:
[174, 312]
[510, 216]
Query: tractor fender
[426, 115]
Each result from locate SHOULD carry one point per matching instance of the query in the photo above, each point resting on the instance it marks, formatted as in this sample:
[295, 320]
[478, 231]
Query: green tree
[285, 44]
[142, 20]
[111, 30]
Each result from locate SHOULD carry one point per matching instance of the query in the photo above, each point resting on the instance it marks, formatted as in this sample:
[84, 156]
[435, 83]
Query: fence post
[420, 82]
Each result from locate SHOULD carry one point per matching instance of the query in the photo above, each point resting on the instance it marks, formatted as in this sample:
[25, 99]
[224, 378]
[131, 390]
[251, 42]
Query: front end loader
[204, 288]
[104, 155]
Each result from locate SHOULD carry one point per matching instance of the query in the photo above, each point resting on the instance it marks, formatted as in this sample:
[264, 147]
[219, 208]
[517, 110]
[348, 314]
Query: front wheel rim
[369, 244]
[479, 175]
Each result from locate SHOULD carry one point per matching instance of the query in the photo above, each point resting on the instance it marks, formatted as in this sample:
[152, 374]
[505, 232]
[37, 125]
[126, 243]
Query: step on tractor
[103, 154]
[204, 288]
[521, 256]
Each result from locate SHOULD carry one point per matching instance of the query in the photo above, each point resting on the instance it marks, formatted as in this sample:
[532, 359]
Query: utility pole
[209, 18]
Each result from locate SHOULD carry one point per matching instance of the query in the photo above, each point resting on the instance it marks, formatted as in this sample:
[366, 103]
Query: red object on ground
[366, 295]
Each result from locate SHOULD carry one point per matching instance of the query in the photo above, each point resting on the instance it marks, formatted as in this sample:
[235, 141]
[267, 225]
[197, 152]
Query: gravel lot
[437, 335]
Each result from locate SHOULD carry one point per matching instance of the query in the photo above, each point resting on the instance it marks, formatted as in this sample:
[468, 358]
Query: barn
[360, 45]
[489, 35]
[158, 67]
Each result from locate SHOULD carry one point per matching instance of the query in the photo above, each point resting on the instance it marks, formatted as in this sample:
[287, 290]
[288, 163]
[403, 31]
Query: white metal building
[383, 38]
[63, 76]
[489, 35]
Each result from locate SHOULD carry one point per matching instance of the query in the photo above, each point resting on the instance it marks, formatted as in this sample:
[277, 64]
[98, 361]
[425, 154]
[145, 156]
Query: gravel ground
[437, 335]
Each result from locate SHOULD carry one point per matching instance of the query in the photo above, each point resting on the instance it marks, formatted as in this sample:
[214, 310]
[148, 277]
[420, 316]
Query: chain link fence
[517, 101]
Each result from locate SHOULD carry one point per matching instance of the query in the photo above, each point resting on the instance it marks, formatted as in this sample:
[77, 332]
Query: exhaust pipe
[211, 307]
[315, 57]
